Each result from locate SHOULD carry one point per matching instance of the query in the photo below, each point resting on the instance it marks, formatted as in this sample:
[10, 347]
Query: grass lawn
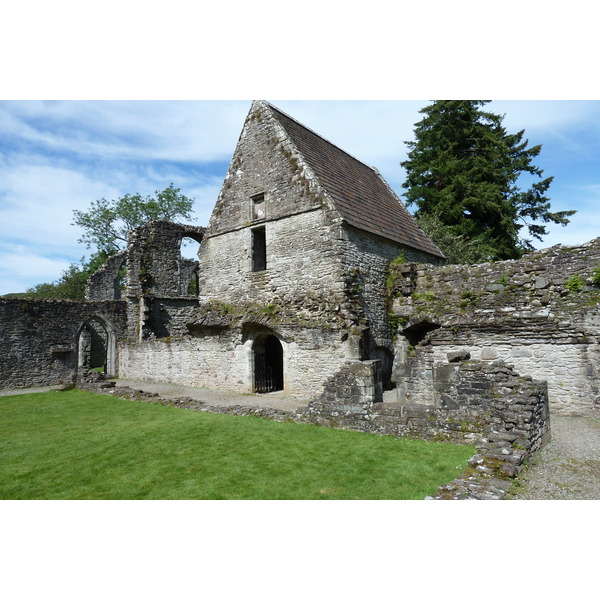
[77, 445]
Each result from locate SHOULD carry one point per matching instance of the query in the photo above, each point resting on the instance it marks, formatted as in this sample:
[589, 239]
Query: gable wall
[264, 162]
[302, 232]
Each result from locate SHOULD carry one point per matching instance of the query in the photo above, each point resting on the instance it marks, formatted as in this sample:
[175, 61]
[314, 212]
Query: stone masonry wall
[303, 257]
[155, 266]
[221, 356]
[104, 283]
[39, 338]
[369, 256]
[505, 416]
[540, 314]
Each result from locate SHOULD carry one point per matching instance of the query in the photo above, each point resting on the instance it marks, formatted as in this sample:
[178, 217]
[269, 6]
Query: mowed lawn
[77, 445]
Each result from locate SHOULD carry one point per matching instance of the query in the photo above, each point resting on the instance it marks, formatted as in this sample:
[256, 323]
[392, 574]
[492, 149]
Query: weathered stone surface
[458, 356]
[541, 322]
[40, 339]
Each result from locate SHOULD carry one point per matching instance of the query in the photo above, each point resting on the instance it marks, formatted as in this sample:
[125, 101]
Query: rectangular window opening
[259, 249]
[258, 207]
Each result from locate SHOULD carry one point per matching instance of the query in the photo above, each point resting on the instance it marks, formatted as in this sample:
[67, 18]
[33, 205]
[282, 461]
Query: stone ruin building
[296, 291]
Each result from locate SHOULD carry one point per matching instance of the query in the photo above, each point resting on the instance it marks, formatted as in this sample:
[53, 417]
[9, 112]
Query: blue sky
[57, 156]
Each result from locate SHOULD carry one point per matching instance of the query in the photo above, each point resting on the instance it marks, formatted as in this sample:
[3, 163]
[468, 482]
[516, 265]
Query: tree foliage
[107, 225]
[108, 222]
[457, 248]
[463, 172]
[72, 282]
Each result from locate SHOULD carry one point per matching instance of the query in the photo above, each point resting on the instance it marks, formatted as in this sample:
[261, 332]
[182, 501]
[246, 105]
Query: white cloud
[151, 130]
[59, 156]
[546, 116]
[37, 202]
[20, 268]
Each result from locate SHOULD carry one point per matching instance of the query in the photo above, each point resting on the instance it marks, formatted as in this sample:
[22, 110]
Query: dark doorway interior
[268, 364]
[93, 345]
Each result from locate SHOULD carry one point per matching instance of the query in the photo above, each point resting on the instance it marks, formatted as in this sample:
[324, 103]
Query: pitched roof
[359, 192]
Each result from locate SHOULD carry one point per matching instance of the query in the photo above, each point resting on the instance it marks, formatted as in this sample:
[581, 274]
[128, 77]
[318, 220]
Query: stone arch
[189, 245]
[96, 344]
[266, 357]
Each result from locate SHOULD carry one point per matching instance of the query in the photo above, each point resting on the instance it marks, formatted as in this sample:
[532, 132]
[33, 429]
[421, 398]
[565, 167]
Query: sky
[58, 156]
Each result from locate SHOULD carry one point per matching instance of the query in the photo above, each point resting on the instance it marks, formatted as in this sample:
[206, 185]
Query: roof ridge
[272, 106]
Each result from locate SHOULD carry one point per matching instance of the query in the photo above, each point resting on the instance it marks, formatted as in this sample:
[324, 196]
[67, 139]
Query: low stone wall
[505, 416]
[349, 396]
[39, 338]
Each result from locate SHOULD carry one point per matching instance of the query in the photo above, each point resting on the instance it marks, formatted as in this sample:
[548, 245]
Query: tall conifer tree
[463, 170]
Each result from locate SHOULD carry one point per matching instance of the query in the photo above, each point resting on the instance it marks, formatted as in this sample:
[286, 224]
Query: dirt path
[568, 467]
[34, 390]
[275, 400]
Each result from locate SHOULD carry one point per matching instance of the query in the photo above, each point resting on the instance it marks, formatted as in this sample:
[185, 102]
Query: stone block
[489, 353]
[458, 356]
[445, 373]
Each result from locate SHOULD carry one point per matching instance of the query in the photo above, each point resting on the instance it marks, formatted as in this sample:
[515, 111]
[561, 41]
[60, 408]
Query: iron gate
[264, 380]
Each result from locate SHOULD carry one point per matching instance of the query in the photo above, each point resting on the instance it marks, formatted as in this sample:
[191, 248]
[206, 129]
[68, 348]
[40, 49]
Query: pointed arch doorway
[268, 364]
[96, 346]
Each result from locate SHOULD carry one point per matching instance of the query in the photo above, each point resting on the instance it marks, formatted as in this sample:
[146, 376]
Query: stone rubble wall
[540, 314]
[39, 338]
[104, 283]
[505, 416]
[155, 266]
[369, 257]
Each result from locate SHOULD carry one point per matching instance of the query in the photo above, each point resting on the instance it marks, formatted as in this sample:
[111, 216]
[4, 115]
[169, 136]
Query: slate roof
[358, 191]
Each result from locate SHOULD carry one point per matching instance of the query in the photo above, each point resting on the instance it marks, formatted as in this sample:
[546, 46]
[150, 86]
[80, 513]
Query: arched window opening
[189, 266]
[268, 364]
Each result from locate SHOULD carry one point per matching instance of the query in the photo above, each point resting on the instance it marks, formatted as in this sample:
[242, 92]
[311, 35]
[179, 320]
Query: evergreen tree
[463, 171]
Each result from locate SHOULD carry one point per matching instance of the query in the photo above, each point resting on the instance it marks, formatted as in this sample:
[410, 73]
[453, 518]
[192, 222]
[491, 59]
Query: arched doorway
[268, 364]
[97, 347]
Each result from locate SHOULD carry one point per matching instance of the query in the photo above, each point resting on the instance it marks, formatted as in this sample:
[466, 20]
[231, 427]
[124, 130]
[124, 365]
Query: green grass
[77, 445]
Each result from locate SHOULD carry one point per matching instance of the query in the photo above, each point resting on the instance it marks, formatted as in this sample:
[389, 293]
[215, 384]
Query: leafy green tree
[72, 282]
[107, 225]
[108, 222]
[463, 170]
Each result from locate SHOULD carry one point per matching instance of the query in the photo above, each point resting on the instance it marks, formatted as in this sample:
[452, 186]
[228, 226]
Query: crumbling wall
[105, 283]
[540, 314]
[39, 338]
[505, 416]
[155, 266]
[368, 256]
[217, 350]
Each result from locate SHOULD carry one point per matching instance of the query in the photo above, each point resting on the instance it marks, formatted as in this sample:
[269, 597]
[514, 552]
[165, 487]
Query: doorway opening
[268, 364]
[93, 347]
[96, 347]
